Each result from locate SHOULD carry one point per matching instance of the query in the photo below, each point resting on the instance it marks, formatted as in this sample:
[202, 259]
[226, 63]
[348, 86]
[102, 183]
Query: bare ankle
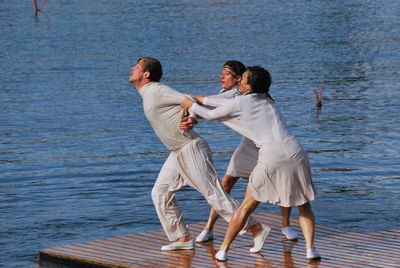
[184, 238]
[256, 229]
[223, 247]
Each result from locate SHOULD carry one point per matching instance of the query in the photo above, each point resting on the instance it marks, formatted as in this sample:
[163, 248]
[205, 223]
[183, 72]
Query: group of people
[269, 156]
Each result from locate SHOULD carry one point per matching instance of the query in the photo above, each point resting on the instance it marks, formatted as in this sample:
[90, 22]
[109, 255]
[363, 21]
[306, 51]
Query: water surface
[78, 158]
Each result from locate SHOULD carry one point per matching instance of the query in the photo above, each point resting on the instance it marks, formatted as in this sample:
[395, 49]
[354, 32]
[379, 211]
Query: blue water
[78, 158]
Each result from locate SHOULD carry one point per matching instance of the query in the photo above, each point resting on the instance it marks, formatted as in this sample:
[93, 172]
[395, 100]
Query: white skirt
[282, 175]
[243, 159]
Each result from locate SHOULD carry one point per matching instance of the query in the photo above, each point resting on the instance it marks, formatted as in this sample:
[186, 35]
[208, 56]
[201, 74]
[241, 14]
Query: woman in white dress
[282, 175]
[243, 160]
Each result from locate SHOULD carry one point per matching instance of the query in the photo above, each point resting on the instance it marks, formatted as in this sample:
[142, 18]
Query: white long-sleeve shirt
[224, 93]
[228, 93]
[252, 115]
[161, 105]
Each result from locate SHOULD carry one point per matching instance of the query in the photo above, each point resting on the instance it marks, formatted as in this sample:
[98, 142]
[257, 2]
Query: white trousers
[191, 165]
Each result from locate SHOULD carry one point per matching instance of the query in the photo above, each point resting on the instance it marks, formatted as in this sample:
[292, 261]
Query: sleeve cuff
[191, 110]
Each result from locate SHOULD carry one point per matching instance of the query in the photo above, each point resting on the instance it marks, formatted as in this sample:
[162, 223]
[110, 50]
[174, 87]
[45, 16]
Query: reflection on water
[78, 158]
[181, 258]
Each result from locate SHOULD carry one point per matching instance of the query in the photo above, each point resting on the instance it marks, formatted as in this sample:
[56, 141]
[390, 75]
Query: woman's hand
[187, 103]
[198, 98]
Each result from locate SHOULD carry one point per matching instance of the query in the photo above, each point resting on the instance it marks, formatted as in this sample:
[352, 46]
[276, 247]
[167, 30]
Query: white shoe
[312, 253]
[289, 233]
[204, 236]
[242, 232]
[260, 239]
[221, 255]
[179, 245]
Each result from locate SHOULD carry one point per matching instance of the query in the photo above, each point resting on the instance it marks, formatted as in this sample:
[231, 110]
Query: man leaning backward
[189, 163]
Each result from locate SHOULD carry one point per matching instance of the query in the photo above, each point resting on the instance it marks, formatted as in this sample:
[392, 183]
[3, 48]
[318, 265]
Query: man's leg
[196, 166]
[227, 184]
[163, 194]
[206, 235]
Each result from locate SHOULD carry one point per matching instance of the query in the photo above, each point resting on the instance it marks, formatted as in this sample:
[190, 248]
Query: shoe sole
[314, 258]
[203, 241]
[183, 248]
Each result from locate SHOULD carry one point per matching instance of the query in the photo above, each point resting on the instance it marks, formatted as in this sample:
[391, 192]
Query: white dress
[282, 175]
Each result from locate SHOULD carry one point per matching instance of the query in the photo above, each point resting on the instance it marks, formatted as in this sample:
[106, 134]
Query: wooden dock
[338, 248]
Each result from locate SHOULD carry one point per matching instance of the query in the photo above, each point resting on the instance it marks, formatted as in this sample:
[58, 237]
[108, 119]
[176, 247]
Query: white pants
[191, 165]
[243, 159]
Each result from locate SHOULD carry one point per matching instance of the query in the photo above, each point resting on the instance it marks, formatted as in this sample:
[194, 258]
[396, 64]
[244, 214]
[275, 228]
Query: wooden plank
[339, 248]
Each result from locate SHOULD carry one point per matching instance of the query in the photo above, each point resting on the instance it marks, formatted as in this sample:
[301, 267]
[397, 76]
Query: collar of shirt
[235, 89]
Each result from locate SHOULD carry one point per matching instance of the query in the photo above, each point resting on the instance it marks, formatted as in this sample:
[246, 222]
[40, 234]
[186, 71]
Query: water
[78, 159]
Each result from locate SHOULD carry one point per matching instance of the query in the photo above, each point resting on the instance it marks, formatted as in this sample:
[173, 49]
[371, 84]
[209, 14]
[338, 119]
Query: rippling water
[78, 159]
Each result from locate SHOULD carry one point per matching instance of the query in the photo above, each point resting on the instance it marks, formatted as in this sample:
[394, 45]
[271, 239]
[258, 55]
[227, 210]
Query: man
[189, 163]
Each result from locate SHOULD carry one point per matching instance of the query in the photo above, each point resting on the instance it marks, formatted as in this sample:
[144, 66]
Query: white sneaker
[204, 236]
[312, 253]
[260, 239]
[289, 233]
[221, 255]
[179, 245]
[242, 232]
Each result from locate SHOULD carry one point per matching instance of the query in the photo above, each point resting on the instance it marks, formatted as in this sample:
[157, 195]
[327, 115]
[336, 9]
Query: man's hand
[187, 123]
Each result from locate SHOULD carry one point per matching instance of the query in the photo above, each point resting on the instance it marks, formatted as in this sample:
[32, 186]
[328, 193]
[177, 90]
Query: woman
[243, 159]
[282, 175]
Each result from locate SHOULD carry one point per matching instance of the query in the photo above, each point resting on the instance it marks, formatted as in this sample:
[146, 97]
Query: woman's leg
[238, 221]
[285, 216]
[307, 223]
[287, 230]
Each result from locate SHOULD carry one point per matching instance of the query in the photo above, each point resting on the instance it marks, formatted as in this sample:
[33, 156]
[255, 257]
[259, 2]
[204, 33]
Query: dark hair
[153, 66]
[236, 66]
[259, 80]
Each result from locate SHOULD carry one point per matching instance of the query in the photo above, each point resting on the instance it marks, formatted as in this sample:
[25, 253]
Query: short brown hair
[153, 66]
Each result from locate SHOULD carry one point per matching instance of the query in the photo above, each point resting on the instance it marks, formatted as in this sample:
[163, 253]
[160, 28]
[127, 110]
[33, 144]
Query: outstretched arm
[213, 100]
[225, 108]
[217, 113]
